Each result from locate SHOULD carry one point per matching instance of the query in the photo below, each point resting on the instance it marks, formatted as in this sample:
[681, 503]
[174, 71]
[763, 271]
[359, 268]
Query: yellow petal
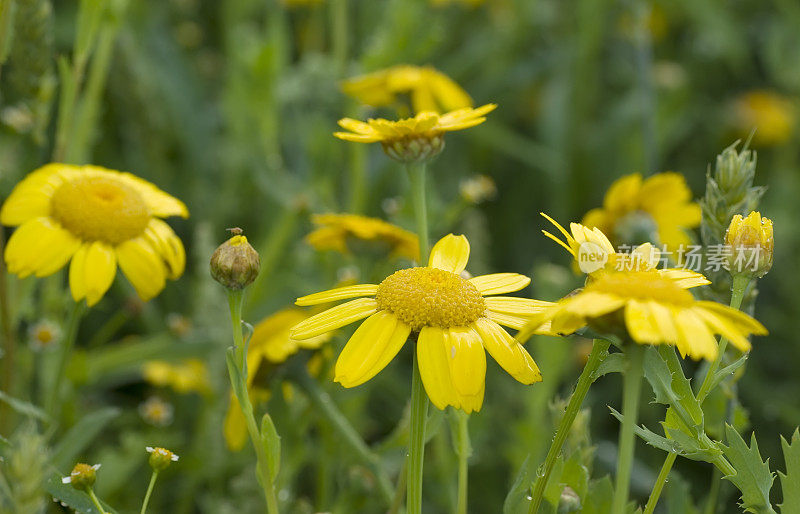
[508, 353]
[517, 306]
[663, 319]
[508, 320]
[373, 345]
[694, 337]
[31, 197]
[434, 368]
[640, 323]
[738, 318]
[500, 283]
[143, 267]
[39, 246]
[451, 253]
[92, 272]
[684, 278]
[334, 318]
[724, 326]
[592, 304]
[169, 246]
[340, 293]
[235, 427]
[161, 204]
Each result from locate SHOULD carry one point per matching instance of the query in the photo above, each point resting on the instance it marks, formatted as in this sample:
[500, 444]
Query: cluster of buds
[414, 149]
[751, 243]
[235, 264]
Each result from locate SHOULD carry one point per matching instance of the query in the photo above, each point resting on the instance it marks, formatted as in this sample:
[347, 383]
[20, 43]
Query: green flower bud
[235, 264]
[82, 476]
[415, 148]
[160, 458]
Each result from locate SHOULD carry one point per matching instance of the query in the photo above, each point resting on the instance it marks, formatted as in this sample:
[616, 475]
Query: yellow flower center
[100, 209]
[644, 285]
[430, 297]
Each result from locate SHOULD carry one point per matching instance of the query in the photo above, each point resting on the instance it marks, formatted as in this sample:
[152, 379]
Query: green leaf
[598, 500]
[727, 371]
[272, 445]
[24, 408]
[77, 500]
[81, 435]
[613, 363]
[237, 382]
[753, 477]
[517, 498]
[663, 371]
[790, 482]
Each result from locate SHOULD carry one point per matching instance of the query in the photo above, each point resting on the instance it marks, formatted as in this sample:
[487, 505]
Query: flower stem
[419, 400]
[738, 288]
[96, 502]
[631, 389]
[65, 350]
[464, 452]
[9, 340]
[150, 487]
[597, 356]
[265, 476]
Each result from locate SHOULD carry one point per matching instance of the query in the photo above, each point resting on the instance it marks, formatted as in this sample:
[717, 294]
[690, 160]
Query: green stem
[631, 390]
[587, 377]
[65, 351]
[417, 177]
[339, 29]
[267, 483]
[9, 339]
[738, 288]
[96, 502]
[399, 489]
[464, 452]
[356, 444]
[150, 487]
[713, 495]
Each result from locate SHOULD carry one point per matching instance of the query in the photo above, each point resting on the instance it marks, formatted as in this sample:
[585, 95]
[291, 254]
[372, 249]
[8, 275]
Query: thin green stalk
[327, 407]
[464, 452]
[235, 298]
[96, 502]
[399, 489]
[738, 288]
[64, 353]
[9, 341]
[713, 495]
[339, 29]
[631, 390]
[419, 400]
[150, 487]
[585, 380]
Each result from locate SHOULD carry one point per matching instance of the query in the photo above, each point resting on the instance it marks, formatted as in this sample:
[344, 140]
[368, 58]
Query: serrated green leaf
[662, 370]
[790, 482]
[81, 435]
[727, 371]
[753, 477]
[613, 363]
[272, 445]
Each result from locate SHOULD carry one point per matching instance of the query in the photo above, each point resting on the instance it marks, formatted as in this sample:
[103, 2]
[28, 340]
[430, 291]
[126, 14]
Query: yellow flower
[336, 229]
[651, 309]
[98, 218]
[412, 139]
[270, 342]
[452, 316]
[770, 114]
[184, 377]
[595, 255]
[751, 243]
[430, 89]
[657, 209]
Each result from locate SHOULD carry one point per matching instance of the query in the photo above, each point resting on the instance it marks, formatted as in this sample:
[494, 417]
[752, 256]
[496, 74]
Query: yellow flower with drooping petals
[188, 376]
[650, 309]
[99, 219]
[429, 89]
[594, 255]
[336, 230]
[752, 244]
[657, 209]
[456, 320]
[770, 114]
[412, 139]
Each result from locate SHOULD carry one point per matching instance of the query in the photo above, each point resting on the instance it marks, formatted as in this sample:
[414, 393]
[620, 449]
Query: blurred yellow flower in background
[770, 114]
[429, 89]
[477, 189]
[336, 230]
[652, 310]
[456, 320]
[99, 219]
[270, 342]
[188, 376]
[656, 209]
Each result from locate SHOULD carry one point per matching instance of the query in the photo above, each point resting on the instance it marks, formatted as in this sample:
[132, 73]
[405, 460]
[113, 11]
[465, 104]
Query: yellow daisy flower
[657, 209]
[455, 319]
[335, 230]
[770, 114]
[99, 218]
[651, 309]
[594, 255]
[412, 139]
[429, 88]
[188, 376]
[270, 342]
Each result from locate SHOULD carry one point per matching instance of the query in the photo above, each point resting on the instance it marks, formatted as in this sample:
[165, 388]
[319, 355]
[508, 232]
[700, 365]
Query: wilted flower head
[82, 476]
[751, 242]
[235, 264]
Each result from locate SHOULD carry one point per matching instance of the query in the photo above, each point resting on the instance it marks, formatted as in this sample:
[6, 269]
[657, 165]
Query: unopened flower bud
[160, 458]
[569, 501]
[235, 264]
[82, 476]
[751, 245]
[414, 149]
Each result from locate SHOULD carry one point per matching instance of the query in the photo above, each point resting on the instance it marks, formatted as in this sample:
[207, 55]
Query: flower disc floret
[100, 208]
[430, 297]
